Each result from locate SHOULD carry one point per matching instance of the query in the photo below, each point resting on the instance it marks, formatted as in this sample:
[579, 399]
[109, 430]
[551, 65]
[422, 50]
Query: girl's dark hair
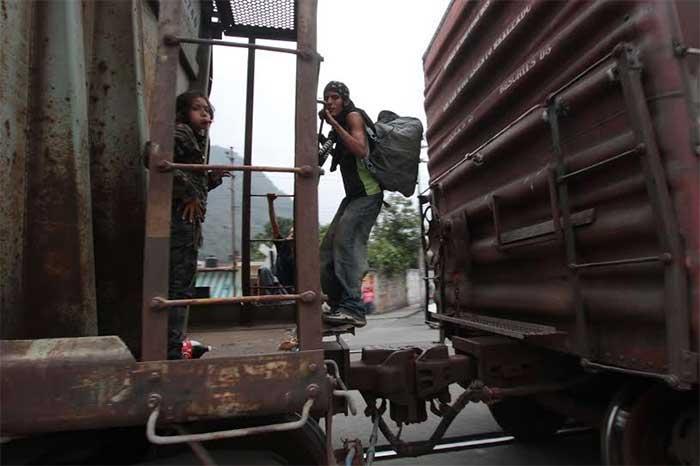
[183, 103]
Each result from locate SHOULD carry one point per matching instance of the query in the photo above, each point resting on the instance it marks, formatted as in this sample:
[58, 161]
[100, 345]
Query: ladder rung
[173, 40]
[166, 166]
[162, 303]
[278, 195]
[637, 150]
[268, 240]
[666, 257]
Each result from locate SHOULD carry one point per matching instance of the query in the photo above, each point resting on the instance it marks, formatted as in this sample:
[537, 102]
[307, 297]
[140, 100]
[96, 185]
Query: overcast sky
[373, 46]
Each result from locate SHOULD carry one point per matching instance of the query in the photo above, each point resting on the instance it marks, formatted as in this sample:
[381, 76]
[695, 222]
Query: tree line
[394, 242]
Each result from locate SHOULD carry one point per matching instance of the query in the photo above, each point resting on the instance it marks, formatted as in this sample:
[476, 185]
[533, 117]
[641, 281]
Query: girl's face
[200, 115]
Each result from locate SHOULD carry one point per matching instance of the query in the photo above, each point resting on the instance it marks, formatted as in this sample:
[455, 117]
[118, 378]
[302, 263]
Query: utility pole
[234, 269]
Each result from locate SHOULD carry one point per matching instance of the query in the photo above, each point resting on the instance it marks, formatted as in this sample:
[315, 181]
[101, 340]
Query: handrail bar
[174, 40]
[166, 166]
[223, 434]
[162, 303]
[470, 155]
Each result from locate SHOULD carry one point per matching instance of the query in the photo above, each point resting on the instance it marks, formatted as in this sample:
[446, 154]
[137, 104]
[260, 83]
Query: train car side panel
[564, 173]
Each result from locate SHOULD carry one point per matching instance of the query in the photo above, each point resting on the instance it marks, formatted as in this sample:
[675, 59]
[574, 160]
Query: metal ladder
[157, 240]
[628, 73]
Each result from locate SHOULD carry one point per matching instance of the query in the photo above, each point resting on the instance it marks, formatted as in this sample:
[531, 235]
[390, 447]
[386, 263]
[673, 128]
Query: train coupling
[410, 379]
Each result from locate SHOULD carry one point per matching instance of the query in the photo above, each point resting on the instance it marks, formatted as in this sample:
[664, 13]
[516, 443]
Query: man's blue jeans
[344, 252]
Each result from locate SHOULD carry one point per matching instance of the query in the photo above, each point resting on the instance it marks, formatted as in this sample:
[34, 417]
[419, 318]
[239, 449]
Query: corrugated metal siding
[77, 83]
[15, 48]
[220, 283]
[488, 74]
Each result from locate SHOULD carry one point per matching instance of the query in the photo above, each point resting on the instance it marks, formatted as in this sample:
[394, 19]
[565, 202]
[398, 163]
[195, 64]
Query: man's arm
[354, 140]
[273, 218]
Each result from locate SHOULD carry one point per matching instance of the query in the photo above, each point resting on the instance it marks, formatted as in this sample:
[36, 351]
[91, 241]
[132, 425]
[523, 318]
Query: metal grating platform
[507, 327]
[264, 19]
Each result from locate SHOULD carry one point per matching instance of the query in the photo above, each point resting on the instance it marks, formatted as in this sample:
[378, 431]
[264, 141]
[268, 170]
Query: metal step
[506, 327]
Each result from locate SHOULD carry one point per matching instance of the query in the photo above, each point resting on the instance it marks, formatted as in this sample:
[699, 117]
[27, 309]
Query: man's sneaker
[344, 317]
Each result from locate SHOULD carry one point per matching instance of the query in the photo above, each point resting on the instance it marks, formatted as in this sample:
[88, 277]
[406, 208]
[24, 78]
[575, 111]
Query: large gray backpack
[395, 152]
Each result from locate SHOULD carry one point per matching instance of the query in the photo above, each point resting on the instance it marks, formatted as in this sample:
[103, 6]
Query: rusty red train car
[564, 212]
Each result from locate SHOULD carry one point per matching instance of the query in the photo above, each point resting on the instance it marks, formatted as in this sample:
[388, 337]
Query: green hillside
[217, 227]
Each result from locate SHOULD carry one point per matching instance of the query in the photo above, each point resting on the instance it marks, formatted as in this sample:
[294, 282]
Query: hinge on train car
[630, 54]
[690, 366]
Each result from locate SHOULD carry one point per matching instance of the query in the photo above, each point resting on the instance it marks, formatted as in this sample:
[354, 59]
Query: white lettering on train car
[484, 58]
[525, 68]
[466, 34]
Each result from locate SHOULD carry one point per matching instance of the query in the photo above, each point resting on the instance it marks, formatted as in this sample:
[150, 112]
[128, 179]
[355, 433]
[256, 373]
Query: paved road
[407, 327]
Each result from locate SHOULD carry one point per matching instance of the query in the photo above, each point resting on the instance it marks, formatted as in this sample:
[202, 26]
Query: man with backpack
[344, 248]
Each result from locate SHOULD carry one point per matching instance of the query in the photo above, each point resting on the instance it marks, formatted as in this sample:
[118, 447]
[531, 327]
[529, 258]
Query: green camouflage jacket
[190, 148]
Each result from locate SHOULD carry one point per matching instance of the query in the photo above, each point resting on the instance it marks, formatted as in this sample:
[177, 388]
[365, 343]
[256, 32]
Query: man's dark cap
[340, 88]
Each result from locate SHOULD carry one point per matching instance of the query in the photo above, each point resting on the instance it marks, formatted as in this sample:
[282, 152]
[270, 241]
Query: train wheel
[525, 419]
[651, 425]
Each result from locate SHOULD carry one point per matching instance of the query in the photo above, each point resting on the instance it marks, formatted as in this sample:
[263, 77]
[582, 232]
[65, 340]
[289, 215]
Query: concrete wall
[397, 291]
[415, 288]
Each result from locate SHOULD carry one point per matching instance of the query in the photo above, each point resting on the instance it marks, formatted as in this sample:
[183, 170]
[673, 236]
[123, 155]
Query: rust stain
[4, 10]
[228, 403]
[98, 149]
[225, 377]
[124, 393]
[102, 66]
[273, 369]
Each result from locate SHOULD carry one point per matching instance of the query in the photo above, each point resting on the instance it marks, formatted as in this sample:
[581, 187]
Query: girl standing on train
[194, 116]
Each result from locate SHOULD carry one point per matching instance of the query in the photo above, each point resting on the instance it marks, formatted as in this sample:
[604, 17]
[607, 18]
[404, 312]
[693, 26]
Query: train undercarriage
[532, 393]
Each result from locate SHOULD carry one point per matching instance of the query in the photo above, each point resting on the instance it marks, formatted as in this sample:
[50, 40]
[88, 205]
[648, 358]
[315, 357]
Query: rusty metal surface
[408, 378]
[93, 388]
[88, 121]
[224, 43]
[118, 134]
[92, 350]
[169, 166]
[161, 303]
[59, 262]
[306, 187]
[493, 137]
[15, 19]
[246, 200]
[92, 78]
[157, 240]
